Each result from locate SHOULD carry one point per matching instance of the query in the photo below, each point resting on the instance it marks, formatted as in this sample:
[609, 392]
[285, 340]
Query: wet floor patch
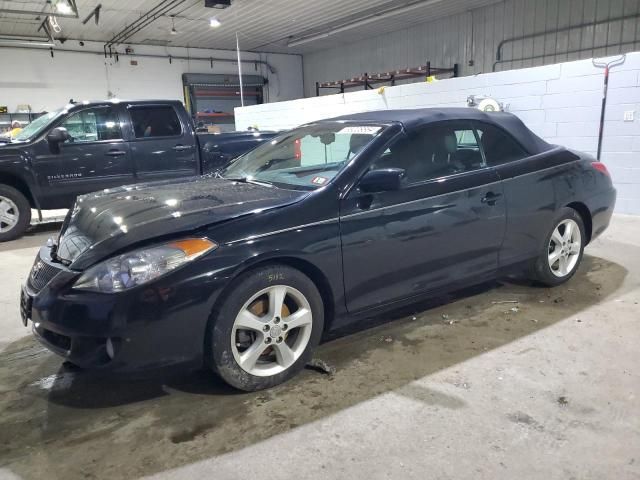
[56, 423]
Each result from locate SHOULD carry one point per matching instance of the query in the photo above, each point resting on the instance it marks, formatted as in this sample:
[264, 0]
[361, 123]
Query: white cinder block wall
[560, 102]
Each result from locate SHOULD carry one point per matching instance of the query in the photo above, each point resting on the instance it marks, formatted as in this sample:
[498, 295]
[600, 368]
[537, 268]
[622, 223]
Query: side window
[433, 152]
[92, 125]
[155, 121]
[498, 146]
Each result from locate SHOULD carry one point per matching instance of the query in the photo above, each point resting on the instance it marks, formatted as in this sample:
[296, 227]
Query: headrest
[357, 141]
[451, 143]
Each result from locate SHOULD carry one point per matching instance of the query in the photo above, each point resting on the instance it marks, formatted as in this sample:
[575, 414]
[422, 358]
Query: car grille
[41, 274]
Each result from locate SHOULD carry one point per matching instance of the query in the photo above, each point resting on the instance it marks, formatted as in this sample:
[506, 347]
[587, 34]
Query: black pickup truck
[85, 147]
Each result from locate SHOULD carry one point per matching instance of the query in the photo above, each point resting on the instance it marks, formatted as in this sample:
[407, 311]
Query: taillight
[601, 167]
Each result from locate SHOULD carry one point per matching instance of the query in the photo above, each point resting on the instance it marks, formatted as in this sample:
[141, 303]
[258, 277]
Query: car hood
[101, 224]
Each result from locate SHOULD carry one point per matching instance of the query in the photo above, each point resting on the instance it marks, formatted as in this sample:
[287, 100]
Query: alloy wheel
[9, 214]
[272, 330]
[564, 248]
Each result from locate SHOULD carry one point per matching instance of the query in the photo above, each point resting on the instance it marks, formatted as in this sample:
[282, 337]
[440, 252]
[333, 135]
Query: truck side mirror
[57, 136]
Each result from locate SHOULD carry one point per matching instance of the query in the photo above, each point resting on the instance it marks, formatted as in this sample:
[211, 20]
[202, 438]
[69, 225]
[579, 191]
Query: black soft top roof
[412, 119]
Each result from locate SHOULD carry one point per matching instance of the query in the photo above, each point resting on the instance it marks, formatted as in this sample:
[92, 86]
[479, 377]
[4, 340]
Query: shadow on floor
[113, 426]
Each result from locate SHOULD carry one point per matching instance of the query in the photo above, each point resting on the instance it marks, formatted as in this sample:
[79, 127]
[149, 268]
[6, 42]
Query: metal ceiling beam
[95, 13]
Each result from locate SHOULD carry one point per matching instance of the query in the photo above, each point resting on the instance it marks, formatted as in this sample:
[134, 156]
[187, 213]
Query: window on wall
[155, 121]
[499, 147]
[433, 152]
[92, 125]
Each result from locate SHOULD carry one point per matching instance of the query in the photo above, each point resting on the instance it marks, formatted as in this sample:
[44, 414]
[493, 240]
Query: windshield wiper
[249, 180]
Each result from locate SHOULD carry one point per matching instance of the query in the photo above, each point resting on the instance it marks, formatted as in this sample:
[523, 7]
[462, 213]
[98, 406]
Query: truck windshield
[37, 125]
[304, 158]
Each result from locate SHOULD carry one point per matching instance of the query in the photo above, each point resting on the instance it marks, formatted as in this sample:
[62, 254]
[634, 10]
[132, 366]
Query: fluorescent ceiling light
[63, 7]
[365, 21]
[214, 22]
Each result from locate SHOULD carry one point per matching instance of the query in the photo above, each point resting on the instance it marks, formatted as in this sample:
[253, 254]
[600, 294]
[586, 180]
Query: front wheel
[266, 329]
[562, 251]
[15, 213]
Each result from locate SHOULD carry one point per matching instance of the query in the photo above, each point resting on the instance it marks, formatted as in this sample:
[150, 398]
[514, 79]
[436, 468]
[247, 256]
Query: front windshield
[37, 125]
[304, 158]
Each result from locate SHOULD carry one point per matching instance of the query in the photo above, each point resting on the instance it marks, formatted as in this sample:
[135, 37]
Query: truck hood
[101, 224]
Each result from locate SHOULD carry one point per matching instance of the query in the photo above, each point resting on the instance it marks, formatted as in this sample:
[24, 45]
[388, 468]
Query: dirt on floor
[61, 423]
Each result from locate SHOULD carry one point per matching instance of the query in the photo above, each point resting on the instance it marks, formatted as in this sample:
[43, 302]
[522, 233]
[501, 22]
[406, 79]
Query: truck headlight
[142, 266]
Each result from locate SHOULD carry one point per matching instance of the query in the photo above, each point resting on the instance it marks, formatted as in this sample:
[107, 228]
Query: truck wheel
[266, 329]
[15, 213]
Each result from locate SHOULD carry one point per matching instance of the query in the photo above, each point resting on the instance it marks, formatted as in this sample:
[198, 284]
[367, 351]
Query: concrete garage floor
[466, 389]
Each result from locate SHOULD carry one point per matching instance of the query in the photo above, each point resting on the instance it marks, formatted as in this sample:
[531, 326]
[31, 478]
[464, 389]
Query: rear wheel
[267, 328]
[15, 213]
[562, 251]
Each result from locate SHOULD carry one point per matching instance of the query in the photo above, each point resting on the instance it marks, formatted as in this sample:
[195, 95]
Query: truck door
[162, 146]
[93, 158]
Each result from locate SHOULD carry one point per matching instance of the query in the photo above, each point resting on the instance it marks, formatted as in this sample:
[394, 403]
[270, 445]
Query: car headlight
[141, 266]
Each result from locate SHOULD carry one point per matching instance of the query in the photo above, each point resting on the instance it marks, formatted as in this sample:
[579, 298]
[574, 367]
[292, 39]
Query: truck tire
[15, 213]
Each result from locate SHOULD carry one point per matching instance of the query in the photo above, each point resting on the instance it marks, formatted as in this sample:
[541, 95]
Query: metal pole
[607, 68]
[240, 70]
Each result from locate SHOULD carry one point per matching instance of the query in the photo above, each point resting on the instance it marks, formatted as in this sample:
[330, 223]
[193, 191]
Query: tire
[560, 256]
[13, 204]
[249, 345]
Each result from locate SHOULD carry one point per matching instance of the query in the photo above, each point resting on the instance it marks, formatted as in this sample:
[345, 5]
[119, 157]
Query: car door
[161, 145]
[444, 225]
[529, 192]
[93, 158]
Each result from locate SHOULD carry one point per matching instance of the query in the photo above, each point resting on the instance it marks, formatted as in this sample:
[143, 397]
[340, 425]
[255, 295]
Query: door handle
[182, 148]
[490, 198]
[116, 153]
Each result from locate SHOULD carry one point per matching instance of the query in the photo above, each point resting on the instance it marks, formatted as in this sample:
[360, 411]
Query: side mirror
[381, 180]
[58, 135]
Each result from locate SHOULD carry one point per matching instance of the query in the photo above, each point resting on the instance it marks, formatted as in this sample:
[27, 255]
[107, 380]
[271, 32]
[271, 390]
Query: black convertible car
[330, 222]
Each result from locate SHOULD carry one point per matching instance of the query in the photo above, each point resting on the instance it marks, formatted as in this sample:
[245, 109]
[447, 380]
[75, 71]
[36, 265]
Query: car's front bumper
[149, 326]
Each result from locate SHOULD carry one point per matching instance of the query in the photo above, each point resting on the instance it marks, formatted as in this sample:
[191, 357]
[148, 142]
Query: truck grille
[41, 274]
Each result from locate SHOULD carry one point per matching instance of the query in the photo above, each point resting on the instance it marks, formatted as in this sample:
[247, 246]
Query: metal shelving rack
[368, 80]
[6, 119]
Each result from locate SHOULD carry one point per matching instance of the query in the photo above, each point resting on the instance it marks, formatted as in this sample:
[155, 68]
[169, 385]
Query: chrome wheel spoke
[562, 266]
[556, 237]
[248, 321]
[285, 356]
[554, 256]
[276, 300]
[249, 357]
[568, 231]
[298, 319]
[574, 249]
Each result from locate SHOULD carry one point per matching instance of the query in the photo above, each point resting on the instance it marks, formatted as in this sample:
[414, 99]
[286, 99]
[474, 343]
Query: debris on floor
[386, 339]
[445, 316]
[321, 366]
[500, 302]
[562, 401]
[514, 309]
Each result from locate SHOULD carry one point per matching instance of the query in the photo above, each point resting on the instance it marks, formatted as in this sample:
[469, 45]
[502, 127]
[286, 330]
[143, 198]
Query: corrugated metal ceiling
[262, 25]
